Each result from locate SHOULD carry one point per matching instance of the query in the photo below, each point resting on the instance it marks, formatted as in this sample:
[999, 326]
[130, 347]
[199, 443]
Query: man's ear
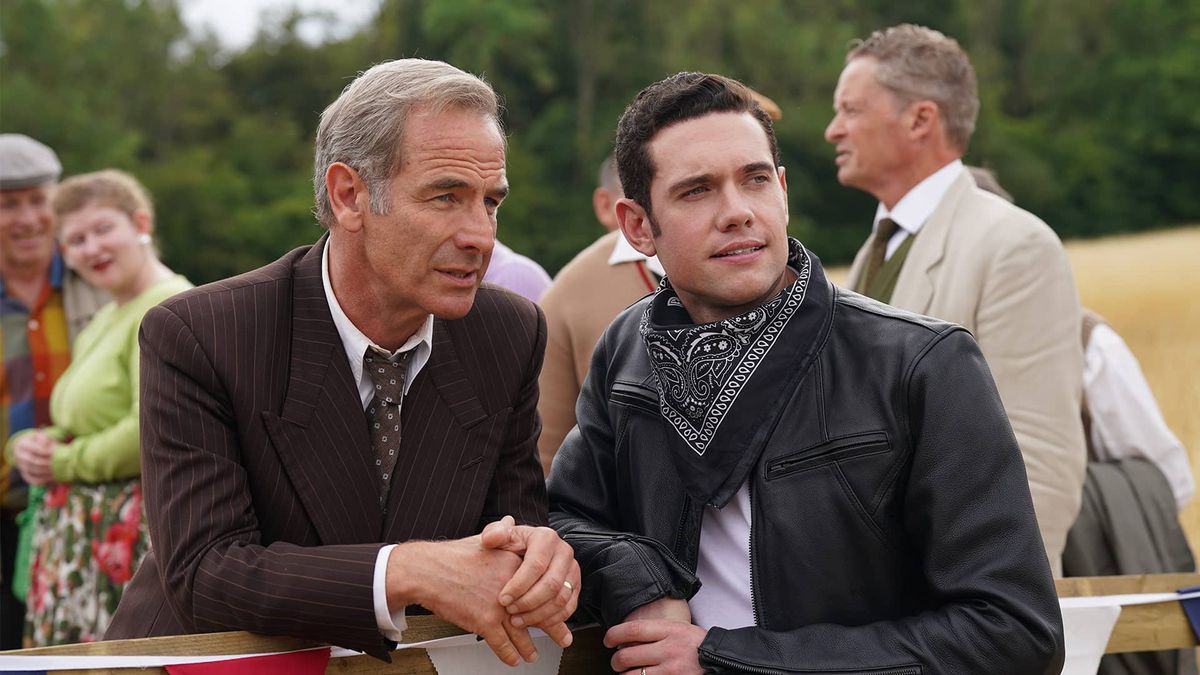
[603, 201]
[783, 184]
[924, 119]
[348, 196]
[635, 225]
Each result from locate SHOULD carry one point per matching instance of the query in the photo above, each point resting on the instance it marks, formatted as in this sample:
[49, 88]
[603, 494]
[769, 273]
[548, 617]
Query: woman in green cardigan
[88, 533]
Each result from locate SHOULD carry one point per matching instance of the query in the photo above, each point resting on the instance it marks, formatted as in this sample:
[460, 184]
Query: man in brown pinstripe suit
[271, 505]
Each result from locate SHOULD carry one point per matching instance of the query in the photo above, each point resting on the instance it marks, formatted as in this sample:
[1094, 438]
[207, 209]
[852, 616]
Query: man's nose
[834, 130]
[736, 211]
[478, 231]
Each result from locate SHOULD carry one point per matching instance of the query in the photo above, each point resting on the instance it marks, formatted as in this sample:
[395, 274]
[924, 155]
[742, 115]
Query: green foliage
[1090, 110]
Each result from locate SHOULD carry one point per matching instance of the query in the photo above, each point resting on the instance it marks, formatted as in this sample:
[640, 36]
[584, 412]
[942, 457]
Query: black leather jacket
[892, 527]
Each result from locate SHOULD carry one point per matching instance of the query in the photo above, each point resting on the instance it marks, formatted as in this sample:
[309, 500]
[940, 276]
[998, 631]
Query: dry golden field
[1148, 287]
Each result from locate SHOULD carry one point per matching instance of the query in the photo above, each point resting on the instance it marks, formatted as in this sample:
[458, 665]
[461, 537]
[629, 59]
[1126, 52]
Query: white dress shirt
[914, 208]
[624, 252]
[1126, 421]
[723, 566]
[391, 624]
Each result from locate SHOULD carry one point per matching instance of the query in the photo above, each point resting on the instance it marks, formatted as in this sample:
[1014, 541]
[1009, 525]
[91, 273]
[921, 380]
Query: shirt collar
[356, 343]
[914, 208]
[624, 252]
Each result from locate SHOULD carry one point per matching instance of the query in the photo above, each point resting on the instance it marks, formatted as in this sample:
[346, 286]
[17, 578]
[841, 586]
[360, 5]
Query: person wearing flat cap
[43, 305]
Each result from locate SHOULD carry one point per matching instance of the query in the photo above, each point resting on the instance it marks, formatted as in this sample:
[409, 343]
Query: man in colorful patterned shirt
[42, 307]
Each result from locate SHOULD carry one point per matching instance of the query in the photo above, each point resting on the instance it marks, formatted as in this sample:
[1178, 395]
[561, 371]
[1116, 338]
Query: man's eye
[447, 198]
[695, 191]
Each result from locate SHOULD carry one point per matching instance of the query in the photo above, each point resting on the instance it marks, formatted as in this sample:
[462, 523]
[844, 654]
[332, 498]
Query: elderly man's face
[429, 252]
[26, 227]
[868, 128]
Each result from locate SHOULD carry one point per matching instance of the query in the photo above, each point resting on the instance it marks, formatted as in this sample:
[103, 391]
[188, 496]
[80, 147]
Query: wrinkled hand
[32, 454]
[460, 581]
[544, 592]
[660, 635]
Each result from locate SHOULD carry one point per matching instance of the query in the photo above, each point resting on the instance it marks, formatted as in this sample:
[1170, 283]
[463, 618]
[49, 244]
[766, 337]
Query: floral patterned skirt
[88, 540]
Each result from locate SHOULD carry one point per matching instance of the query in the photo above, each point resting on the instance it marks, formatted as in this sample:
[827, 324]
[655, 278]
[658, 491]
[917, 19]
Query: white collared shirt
[391, 624]
[914, 208]
[624, 252]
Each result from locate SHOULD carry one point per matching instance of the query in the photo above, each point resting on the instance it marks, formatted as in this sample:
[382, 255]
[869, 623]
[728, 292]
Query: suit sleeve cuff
[391, 624]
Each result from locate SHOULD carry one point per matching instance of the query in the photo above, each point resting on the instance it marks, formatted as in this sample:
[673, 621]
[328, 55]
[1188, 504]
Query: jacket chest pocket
[836, 450]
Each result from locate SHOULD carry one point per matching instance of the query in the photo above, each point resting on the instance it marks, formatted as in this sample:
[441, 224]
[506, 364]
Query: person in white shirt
[904, 111]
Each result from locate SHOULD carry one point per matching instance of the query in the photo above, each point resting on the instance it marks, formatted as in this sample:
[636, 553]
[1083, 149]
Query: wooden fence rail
[1140, 628]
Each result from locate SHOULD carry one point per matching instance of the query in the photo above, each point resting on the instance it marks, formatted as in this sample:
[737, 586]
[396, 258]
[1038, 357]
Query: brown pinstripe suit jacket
[260, 484]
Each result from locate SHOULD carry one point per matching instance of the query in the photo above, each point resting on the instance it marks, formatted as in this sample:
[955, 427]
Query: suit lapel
[918, 278]
[450, 377]
[320, 435]
[860, 261]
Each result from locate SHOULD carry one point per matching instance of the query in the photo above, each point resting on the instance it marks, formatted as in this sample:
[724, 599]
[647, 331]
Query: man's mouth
[738, 251]
[460, 276]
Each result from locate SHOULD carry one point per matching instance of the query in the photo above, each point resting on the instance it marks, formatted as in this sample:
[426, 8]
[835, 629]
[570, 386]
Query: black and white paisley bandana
[721, 385]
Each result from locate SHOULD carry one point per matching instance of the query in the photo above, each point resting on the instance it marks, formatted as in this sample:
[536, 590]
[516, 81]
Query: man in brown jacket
[324, 438]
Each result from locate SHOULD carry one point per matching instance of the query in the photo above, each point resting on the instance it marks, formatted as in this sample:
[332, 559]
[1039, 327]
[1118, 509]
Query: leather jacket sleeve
[969, 513]
[621, 571]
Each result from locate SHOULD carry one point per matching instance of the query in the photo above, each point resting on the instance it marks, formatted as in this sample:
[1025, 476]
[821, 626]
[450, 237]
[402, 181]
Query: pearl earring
[144, 239]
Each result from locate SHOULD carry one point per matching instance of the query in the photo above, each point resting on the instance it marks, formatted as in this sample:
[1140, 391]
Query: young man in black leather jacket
[771, 474]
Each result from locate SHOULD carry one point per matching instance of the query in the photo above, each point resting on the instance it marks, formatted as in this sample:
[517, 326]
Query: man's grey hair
[364, 126]
[607, 177]
[918, 63]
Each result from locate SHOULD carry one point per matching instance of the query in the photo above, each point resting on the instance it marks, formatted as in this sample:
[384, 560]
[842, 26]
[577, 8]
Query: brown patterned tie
[383, 412]
[883, 234]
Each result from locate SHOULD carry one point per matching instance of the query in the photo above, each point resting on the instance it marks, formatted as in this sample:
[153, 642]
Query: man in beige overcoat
[905, 108]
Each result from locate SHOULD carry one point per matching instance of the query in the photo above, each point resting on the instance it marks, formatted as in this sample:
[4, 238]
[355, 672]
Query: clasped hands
[32, 453]
[496, 584]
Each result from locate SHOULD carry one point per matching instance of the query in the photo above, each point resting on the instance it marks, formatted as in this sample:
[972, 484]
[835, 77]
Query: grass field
[1148, 288]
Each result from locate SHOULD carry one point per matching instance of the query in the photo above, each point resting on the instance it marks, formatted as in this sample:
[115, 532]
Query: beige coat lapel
[918, 279]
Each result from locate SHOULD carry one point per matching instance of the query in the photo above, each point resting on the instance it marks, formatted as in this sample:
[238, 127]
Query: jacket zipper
[753, 587]
[658, 577]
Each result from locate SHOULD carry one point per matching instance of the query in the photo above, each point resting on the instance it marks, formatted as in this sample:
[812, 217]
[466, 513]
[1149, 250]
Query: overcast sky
[236, 21]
